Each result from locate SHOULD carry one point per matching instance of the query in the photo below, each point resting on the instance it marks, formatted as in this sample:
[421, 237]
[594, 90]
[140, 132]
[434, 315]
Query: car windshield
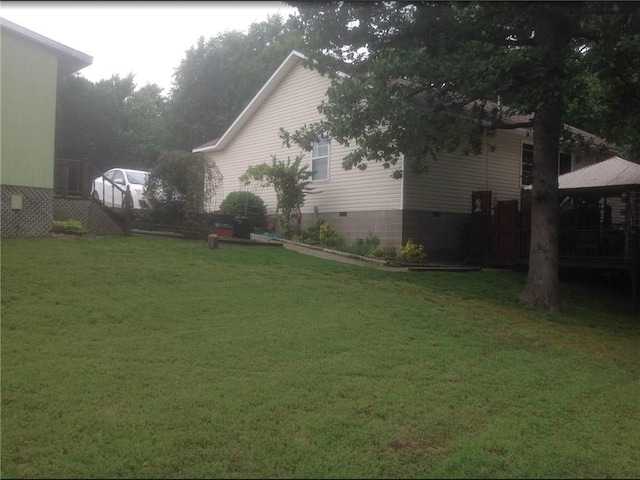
[137, 177]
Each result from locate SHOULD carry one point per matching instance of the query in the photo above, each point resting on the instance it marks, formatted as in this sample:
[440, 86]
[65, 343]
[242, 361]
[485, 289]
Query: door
[506, 229]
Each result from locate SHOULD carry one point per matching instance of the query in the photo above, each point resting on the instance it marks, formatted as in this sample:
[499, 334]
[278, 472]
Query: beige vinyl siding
[28, 98]
[447, 185]
[292, 104]
[355, 190]
[449, 182]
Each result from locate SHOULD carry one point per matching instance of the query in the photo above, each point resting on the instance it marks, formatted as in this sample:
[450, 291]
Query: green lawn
[155, 358]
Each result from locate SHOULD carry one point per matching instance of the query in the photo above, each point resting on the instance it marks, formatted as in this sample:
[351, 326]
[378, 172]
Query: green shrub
[412, 253]
[329, 236]
[370, 247]
[365, 247]
[384, 253]
[68, 226]
[246, 204]
[178, 176]
[321, 233]
[311, 235]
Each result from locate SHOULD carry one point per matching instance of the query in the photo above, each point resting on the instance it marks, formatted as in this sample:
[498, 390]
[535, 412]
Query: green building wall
[28, 85]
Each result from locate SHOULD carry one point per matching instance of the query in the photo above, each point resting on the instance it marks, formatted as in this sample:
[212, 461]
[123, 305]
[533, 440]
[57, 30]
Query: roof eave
[604, 190]
[292, 59]
[70, 60]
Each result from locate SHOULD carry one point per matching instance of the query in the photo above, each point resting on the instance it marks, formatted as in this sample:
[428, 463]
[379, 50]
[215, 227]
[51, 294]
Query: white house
[433, 209]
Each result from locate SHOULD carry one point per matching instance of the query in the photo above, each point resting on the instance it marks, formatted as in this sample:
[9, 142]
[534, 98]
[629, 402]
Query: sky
[148, 39]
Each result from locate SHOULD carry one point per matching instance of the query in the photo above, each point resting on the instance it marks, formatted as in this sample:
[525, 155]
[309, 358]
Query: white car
[110, 192]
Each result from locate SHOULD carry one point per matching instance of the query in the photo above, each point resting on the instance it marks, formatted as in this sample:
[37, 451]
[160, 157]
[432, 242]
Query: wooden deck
[590, 237]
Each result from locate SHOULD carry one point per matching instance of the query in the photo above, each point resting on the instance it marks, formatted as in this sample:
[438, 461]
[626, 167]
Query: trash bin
[242, 227]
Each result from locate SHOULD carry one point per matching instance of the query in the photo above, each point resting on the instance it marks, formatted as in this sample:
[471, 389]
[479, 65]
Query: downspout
[404, 175]
[402, 183]
[486, 165]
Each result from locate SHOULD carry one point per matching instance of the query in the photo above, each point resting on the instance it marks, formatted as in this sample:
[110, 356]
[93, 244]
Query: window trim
[522, 165]
[568, 154]
[327, 156]
[522, 170]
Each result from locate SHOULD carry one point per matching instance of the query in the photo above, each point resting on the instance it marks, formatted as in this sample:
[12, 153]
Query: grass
[158, 358]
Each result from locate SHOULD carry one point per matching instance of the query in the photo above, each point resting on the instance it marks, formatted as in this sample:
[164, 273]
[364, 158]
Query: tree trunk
[541, 288]
[552, 40]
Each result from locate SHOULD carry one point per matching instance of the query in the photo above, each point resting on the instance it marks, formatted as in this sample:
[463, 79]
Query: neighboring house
[432, 209]
[30, 69]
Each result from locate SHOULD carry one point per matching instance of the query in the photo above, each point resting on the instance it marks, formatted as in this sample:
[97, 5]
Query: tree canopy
[109, 122]
[426, 77]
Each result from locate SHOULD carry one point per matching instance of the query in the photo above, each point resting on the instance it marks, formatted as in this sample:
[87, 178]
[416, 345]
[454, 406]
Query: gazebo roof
[612, 175]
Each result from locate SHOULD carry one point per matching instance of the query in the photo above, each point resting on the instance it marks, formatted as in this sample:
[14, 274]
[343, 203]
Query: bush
[68, 226]
[366, 247]
[177, 176]
[412, 253]
[311, 235]
[246, 204]
[329, 236]
[321, 233]
[370, 247]
[384, 253]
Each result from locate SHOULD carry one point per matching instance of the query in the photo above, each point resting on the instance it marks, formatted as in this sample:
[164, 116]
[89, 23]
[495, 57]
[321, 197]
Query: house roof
[293, 59]
[611, 174]
[206, 146]
[516, 119]
[69, 60]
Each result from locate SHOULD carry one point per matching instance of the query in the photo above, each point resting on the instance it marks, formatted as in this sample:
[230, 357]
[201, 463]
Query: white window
[320, 160]
[564, 163]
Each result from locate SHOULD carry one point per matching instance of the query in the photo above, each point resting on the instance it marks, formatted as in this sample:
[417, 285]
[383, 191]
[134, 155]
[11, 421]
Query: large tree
[425, 77]
[142, 131]
[109, 122]
[607, 98]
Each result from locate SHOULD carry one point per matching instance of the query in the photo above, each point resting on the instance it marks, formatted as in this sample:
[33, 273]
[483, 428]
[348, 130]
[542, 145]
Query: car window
[110, 174]
[137, 177]
[118, 175]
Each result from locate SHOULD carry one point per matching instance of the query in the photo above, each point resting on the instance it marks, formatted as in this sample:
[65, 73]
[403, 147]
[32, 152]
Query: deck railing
[72, 178]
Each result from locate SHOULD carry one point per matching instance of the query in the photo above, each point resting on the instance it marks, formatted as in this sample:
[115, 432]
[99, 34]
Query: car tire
[95, 196]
